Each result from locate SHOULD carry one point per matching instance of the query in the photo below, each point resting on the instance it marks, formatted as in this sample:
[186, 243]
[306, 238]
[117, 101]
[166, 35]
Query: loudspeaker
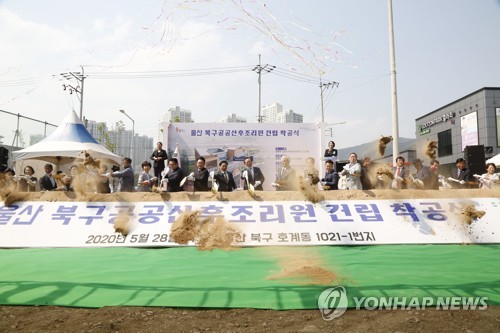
[479, 149]
[476, 159]
[339, 165]
[4, 155]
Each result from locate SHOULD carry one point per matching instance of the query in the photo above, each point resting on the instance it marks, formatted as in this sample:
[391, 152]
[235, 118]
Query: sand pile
[207, 233]
[122, 224]
[470, 214]
[382, 144]
[310, 190]
[300, 265]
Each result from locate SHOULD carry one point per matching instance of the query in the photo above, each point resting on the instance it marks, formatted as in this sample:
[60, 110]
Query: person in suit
[331, 180]
[421, 177]
[28, 182]
[433, 183]
[463, 175]
[200, 176]
[254, 174]
[401, 174]
[224, 178]
[311, 174]
[174, 176]
[102, 182]
[9, 180]
[367, 167]
[286, 179]
[127, 179]
[158, 156]
[490, 179]
[47, 181]
[65, 184]
[352, 172]
[331, 152]
[145, 181]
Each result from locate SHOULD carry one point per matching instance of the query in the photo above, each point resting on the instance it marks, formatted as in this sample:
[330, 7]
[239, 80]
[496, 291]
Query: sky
[147, 56]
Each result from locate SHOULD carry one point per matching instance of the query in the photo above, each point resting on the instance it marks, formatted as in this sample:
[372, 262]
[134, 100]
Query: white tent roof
[495, 159]
[67, 143]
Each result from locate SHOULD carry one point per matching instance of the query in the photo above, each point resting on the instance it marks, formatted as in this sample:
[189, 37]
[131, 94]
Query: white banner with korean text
[265, 143]
[356, 222]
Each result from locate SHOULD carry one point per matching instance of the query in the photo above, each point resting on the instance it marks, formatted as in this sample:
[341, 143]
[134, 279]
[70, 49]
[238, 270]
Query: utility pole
[322, 87]
[258, 69]
[394, 93]
[80, 79]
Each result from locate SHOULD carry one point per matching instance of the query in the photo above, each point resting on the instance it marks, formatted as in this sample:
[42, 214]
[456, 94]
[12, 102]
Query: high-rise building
[233, 118]
[270, 112]
[274, 113]
[289, 116]
[177, 115]
[119, 142]
[97, 129]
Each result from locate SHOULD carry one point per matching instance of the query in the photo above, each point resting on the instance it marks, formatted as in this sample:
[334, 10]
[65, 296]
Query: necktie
[251, 172]
[225, 177]
[52, 180]
[459, 173]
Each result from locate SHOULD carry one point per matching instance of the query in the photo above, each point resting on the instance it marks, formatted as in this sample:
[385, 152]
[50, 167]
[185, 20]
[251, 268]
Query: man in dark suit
[254, 174]
[200, 176]
[47, 182]
[463, 175]
[224, 178]
[174, 176]
[401, 174]
[159, 156]
[331, 180]
[126, 177]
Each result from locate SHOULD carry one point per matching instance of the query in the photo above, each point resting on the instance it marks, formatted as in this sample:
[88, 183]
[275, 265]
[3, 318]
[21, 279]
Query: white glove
[451, 179]
[212, 174]
[191, 174]
[244, 174]
[258, 183]
[462, 182]
[190, 178]
[477, 176]
[115, 173]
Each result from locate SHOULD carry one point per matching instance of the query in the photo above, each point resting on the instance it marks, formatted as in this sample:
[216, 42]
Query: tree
[104, 137]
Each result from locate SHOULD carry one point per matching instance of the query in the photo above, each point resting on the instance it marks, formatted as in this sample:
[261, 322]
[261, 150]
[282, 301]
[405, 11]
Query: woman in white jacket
[490, 179]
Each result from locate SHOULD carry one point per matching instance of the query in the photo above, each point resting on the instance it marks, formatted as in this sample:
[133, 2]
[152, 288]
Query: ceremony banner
[356, 222]
[233, 142]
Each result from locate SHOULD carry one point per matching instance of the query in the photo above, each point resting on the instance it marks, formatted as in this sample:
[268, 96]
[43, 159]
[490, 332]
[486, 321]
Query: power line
[259, 69]
[169, 73]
